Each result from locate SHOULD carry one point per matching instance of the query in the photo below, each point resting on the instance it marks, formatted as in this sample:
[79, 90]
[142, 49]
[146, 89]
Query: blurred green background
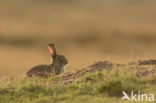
[85, 31]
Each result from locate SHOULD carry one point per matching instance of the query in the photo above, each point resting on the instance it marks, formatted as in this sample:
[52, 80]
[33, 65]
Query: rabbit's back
[56, 67]
[39, 70]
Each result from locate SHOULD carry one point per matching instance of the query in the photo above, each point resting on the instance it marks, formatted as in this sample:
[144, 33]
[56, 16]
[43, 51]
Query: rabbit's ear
[52, 50]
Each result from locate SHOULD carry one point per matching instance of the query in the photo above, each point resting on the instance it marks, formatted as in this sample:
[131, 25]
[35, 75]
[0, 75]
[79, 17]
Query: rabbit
[56, 67]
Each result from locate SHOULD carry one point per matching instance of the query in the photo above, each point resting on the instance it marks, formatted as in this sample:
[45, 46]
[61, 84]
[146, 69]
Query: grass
[85, 32]
[99, 87]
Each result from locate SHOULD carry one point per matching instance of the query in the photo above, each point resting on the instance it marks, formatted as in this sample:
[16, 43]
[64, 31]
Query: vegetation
[85, 31]
[99, 87]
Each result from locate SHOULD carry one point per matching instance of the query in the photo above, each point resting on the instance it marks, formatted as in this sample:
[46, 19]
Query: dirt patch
[144, 62]
[142, 68]
[69, 77]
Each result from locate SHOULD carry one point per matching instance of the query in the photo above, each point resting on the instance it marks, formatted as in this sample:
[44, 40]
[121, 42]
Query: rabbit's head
[57, 59]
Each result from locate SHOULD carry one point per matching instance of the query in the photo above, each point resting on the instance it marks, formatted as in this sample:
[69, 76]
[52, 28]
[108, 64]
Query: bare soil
[142, 68]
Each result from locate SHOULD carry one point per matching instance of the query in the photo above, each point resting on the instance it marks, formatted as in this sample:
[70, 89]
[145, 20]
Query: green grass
[99, 87]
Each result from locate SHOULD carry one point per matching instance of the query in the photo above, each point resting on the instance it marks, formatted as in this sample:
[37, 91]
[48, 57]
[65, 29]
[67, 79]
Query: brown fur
[56, 67]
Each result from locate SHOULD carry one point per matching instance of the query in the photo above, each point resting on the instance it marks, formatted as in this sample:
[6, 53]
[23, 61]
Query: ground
[101, 82]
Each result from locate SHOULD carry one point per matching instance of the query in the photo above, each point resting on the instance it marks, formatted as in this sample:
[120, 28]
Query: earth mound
[141, 67]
